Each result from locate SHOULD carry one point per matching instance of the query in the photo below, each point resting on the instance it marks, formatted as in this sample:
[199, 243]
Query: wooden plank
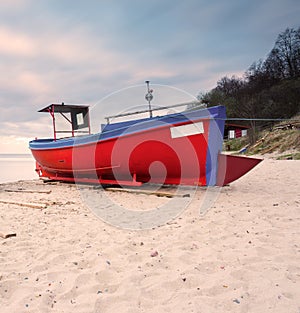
[148, 192]
[271, 149]
[7, 234]
[28, 191]
[26, 204]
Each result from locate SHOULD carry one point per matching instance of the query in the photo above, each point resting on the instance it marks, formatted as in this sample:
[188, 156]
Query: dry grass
[282, 140]
[277, 140]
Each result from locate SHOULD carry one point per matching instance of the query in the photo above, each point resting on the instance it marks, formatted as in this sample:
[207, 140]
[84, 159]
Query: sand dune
[241, 254]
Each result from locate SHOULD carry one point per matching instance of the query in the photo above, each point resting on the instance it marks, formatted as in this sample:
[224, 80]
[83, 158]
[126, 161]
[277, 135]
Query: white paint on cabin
[187, 130]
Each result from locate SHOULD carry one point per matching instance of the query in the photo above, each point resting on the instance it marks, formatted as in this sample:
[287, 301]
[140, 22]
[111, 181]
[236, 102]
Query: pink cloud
[13, 43]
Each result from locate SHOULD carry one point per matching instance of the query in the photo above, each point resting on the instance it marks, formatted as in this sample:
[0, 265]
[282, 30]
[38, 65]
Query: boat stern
[232, 167]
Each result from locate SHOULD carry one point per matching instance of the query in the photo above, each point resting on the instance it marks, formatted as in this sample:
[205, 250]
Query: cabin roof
[227, 125]
[64, 108]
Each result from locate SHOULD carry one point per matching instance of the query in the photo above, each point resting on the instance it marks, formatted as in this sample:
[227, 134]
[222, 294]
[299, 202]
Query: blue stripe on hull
[215, 143]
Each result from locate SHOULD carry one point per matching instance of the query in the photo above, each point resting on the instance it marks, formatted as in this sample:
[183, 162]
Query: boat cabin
[232, 131]
[76, 115]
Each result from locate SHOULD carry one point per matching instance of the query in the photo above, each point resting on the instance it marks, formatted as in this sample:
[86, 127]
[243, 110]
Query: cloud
[52, 51]
[25, 81]
[29, 129]
[14, 4]
[76, 63]
[17, 44]
[14, 144]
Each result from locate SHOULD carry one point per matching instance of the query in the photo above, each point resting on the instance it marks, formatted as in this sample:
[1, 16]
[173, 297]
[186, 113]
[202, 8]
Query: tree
[270, 88]
[284, 59]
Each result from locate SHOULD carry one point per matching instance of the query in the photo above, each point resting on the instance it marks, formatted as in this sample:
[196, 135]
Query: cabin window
[231, 134]
[79, 118]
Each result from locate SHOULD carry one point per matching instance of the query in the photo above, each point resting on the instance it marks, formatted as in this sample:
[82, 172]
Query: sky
[84, 51]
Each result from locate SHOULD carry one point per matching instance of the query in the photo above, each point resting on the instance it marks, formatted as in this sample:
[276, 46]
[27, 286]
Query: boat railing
[190, 105]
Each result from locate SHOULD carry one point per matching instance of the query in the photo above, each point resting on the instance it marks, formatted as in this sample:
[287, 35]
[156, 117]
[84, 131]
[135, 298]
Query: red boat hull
[151, 156]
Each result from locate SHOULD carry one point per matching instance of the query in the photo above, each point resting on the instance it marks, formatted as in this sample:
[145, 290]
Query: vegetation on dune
[277, 141]
[269, 91]
[283, 139]
[270, 88]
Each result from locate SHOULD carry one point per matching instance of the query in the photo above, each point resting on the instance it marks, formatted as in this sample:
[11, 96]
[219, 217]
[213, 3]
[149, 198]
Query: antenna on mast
[149, 96]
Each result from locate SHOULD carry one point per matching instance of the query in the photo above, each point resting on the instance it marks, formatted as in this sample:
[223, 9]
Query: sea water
[14, 167]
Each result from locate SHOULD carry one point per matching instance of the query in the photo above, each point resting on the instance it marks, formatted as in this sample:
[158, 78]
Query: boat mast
[51, 111]
[149, 97]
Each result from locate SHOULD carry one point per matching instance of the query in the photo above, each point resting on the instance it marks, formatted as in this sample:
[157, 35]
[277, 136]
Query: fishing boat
[178, 149]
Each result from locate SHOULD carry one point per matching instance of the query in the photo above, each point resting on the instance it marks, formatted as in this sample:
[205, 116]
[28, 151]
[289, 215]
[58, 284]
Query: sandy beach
[242, 254]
